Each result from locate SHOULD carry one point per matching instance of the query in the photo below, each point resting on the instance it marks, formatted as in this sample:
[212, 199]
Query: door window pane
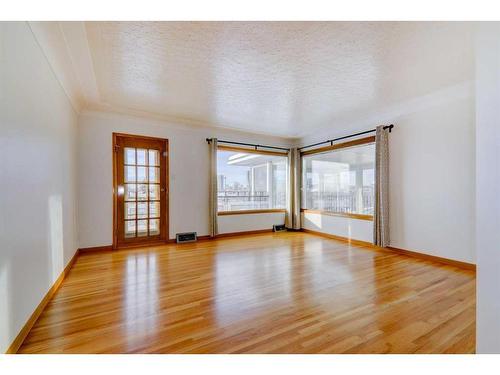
[129, 155]
[141, 174]
[154, 209]
[154, 227]
[130, 210]
[142, 228]
[154, 174]
[142, 210]
[130, 228]
[130, 192]
[142, 192]
[154, 192]
[130, 174]
[154, 157]
[141, 156]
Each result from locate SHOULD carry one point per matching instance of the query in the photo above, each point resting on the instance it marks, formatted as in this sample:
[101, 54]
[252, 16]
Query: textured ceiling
[282, 78]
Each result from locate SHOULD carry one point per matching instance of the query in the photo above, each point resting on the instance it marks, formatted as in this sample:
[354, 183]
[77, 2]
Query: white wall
[188, 161]
[432, 170]
[245, 223]
[488, 188]
[38, 233]
[356, 229]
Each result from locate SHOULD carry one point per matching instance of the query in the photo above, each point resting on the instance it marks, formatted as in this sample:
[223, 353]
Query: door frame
[164, 207]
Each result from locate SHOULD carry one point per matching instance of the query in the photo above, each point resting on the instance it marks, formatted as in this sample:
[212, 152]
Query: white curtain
[381, 212]
[292, 217]
[213, 230]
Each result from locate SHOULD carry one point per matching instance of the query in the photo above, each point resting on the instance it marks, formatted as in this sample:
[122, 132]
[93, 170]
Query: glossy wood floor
[269, 293]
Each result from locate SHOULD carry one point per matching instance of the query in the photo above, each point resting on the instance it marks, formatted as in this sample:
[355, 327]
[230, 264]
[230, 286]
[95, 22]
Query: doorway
[140, 190]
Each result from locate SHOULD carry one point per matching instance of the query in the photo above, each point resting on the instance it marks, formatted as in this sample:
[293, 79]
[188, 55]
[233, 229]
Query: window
[250, 180]
[340, 181]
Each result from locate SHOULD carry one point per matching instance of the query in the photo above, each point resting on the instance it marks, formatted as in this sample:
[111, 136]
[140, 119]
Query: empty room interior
[249, 187]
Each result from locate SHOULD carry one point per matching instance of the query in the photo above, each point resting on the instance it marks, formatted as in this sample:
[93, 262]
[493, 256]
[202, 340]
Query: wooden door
[140, 190]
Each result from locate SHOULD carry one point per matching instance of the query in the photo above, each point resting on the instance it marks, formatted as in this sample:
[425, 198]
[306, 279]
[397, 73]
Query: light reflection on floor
[141, 295]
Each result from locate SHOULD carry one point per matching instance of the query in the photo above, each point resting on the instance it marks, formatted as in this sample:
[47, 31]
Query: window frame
[252, 151]
[335, 147]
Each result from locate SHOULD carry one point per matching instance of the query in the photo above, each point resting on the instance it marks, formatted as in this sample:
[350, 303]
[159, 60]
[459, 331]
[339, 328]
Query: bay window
[340, 180]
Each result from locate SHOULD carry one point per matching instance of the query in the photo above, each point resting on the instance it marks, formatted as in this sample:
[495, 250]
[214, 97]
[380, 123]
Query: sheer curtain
[213, 230]
[292, 217]
[381, 212]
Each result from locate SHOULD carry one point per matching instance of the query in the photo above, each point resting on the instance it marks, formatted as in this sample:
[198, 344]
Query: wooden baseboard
[235, 234]
[414, 254]
[96, 248]
[18, 341]
[452, 262]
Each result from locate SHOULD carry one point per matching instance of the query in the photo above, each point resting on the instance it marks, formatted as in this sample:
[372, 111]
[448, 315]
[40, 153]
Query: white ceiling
[282, 78]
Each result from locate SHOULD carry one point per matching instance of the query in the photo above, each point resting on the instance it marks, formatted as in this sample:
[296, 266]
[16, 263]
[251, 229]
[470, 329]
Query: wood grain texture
[456, 263]
[95, 248]
[21, 336]
[288, 292]
[453, 262]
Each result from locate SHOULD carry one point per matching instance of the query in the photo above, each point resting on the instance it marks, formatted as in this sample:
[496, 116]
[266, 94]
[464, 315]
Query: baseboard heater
[279, 228]
[186, 237]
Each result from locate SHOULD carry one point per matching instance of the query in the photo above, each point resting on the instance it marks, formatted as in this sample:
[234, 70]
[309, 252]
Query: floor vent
[279, 228]
[186, 237]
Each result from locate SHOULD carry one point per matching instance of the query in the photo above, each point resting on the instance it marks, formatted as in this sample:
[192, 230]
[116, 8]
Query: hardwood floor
[267, 293]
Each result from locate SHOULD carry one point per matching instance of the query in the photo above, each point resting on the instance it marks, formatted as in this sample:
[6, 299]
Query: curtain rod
[346, 136]
[249, 144]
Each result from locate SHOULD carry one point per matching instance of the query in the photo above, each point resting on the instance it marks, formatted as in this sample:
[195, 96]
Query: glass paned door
[140, 189]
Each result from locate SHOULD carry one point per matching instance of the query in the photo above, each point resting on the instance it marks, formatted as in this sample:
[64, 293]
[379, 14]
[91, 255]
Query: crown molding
[175, 120]
[65, 47]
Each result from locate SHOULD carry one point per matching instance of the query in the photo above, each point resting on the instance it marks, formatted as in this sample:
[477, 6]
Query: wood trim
[95, 248]
[340, 214]
[23, 333]
[452, 262]
[145, 137]
[251, 151]
[138, 245]
[356, 142]
[247, 212]
[414, 254]
[115, 184]
[235, 234]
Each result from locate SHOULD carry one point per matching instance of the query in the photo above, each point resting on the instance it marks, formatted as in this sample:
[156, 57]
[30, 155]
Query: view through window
[340, 181]
[250, 181]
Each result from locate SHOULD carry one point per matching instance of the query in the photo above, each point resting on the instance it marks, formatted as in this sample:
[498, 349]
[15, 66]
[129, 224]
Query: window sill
[246, 212]
[339, 214]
